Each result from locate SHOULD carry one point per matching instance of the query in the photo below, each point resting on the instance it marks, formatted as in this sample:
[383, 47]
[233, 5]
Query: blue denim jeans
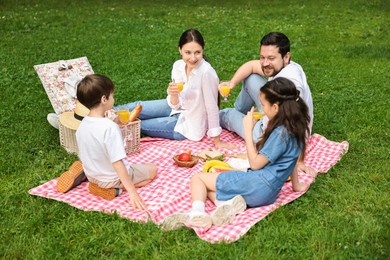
[155, 119]
[231, 118]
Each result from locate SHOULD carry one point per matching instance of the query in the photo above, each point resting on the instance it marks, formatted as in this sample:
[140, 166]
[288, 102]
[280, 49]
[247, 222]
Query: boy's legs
[71, 178]
[105, 193]
[141, 174]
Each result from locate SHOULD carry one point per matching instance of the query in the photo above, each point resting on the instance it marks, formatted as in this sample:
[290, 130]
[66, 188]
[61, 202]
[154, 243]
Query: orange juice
[225, 90]
[180, 86]
[257, 115]
[124, 116]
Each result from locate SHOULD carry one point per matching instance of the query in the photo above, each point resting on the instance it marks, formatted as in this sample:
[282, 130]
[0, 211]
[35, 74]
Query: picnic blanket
[170, 191]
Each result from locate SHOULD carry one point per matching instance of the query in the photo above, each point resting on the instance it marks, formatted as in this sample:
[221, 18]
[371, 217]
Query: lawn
[344, 48]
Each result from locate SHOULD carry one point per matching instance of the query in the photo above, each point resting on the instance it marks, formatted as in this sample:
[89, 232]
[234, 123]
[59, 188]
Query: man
[274, 62]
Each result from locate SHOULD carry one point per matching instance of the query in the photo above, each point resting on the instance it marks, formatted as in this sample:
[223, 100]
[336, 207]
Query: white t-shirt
[100, 144]
[198, 102]
[294, 72]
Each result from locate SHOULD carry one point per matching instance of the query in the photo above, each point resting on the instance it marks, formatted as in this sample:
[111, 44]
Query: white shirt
[100, 144]
[294, 72]
[198, 101]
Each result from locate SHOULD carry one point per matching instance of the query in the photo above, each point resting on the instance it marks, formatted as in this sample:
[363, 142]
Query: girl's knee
[195, 177]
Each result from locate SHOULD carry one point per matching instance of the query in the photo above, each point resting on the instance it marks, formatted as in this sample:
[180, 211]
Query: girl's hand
[136, 201]
[306, 169]
[173, 89]
[248, 121]
[301, 187]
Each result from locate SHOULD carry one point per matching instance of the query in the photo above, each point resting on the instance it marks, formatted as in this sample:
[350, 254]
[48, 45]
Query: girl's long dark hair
[293, 113]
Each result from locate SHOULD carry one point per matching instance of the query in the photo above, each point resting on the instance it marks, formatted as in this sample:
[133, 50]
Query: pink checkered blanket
[170, 192]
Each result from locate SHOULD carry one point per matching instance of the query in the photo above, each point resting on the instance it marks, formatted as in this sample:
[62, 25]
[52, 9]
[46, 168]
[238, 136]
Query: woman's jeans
[155, 119]
[231, 118]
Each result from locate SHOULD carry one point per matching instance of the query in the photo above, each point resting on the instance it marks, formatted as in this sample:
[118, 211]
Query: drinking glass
[257, 114]
[124, 116]
[179, 85]
[225, 90]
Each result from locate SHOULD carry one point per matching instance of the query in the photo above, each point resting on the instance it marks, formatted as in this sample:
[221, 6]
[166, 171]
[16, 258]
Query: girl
[272, 161]
[191, 111]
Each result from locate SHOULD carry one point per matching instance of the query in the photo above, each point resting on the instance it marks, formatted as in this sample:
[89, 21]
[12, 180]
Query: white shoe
[200, 219]
[52, 118]
[225, 213]
[175, 221]
[192, 218]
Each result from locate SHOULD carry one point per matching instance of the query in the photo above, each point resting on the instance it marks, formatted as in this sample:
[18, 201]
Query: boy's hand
[136, 201]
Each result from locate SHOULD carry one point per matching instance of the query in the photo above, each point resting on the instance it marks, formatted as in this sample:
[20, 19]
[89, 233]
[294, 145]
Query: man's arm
[244, 71]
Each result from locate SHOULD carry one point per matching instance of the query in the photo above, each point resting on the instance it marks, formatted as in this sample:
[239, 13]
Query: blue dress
[261, 187]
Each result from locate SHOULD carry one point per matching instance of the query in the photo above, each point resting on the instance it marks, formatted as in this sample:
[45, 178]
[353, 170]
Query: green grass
[343, 47]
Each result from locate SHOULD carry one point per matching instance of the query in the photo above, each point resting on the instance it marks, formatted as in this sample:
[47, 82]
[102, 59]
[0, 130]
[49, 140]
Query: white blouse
[198, 101]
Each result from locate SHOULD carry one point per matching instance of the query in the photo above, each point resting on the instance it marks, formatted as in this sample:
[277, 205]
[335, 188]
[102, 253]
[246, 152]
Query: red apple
[184, 157]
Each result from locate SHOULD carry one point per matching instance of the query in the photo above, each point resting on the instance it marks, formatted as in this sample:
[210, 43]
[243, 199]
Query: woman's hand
[173, 90]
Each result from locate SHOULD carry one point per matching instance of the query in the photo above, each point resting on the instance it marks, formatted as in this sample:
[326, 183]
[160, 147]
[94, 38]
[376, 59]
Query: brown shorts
[137, 172]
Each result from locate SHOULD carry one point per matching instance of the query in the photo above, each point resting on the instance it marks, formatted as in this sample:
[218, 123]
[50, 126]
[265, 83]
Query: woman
[192, 112]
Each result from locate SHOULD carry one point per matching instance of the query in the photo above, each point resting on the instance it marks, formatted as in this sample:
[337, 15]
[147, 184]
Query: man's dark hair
[279, 40]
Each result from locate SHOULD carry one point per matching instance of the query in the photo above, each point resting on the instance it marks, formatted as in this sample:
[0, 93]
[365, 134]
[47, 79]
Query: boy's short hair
[92, 88]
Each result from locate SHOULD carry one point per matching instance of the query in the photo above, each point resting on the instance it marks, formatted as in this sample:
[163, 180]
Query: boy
[101, 148]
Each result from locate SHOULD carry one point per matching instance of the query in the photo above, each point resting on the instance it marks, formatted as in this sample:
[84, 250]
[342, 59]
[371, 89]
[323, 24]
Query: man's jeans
[155, 119]
[231, 118]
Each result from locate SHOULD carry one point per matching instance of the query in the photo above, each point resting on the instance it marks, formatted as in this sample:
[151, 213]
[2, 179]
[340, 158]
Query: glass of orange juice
[180, 85]
[124, 116]
[257, 115]
[225, 90]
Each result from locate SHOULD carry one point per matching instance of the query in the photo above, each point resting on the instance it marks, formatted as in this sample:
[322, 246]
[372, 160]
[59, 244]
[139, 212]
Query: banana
[207, 166]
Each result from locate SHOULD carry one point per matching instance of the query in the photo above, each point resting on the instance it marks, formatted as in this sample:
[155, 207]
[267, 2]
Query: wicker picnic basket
[68, 138]
[131, 134]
